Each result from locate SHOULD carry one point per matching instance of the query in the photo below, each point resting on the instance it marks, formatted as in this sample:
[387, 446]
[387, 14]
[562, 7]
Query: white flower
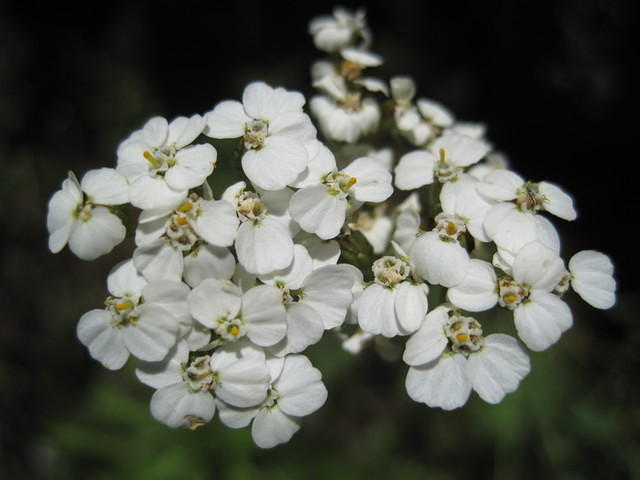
[396, 303]
[321, 209]
[79, 214]
[591, 276]
[263, 243]
[540, 316]
[296, 390]
[236, 373]
[438, 256]
[344, 28]
[348, 118]
[231, 314]
[189, 240]
[129, 324]
[274, 130]
[315, 300]
[504, 185]
[162, 165]
[447, 158]
[448, 357]
[375, 226]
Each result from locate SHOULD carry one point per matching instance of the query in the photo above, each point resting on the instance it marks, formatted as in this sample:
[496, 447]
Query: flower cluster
[221, 297]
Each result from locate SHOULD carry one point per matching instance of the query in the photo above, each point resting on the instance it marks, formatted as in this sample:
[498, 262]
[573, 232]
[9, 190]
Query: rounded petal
[300, 387]
[317, 211]
[104, 342]
[411, 305]
[264, 315]
[277, 164]
[193, 165]
[272, 427]
[264, 102]
[414, 170]
[159, 261]
[183, 130]
[226, 120]
[152, 335]
[322, 162]
[328, 291]
[105, 186]
[592, 278]
[303, 328]
[168, 371]
[177, 406]
[557, 201]
[428, 343]
[477, 292]
[460, 198]
[442, 383]
[234, 417]
[373, 181]
[149, 193]
[538, 266]
[541, 320]
[217, 222]
[97, 236]
[294, 274]
[125, 280]
[439, 262]
[214, 299]
[208, 261]
[500, 185]
[264, 247]
[498, 367]
[376, 311]
[509, 227]
[461, 150]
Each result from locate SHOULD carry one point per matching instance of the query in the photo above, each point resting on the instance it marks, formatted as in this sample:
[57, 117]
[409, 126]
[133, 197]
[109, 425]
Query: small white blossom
[79, 214]
[591, 277]
[344, 28]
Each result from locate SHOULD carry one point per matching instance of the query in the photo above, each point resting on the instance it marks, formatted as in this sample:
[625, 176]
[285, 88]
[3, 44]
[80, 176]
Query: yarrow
[221, 297]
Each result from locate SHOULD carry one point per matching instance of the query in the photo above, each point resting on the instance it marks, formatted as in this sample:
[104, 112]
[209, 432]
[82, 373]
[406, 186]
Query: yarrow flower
[222, 296]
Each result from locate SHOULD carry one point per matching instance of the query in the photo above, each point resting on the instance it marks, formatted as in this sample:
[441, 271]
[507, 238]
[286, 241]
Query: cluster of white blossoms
[221, 297]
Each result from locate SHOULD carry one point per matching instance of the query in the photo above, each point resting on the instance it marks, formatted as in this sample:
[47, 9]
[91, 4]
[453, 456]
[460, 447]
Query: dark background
[552, 81]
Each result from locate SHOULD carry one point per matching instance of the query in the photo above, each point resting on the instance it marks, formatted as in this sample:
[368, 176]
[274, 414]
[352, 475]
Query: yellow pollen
[150, 157]
[510, 298]
[234, 331]
[451, 228]
[186, 206]
[352, 181]
[462, 337]
[181, 220]
[123, 306]
[256, 208]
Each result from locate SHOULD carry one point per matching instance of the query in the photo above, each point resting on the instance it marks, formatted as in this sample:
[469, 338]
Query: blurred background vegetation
[551, 79]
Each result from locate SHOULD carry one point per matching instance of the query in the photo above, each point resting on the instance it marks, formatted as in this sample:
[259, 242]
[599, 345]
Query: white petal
[303, 328]
[148, 231]
[316, 211]
[294, 274]
[153, 193]
[556, 201]
[538, 266]
[542, 320]
[226, 120]
[97, 236]
[373, 181]
[159, 261]
[170, 295]
[321, 163]
[428, 343]
[373, 84]
[106, 186]
[500, 185]
[592, 278]
[509, 227]
[328, 291]
[208, 261]
[125, 280]
[193, 165]
[183, 130]
[243, 374]
[295, 125]
[153, 334]
[477, 292]
[264, 315]
[264, 102]
[461, 150]
[435, 112]
[407, 228]
[376, 311]
[104, 342]
[168, 371]
[442, 383]
[264, 247]
[322, 252]
[217, 222]
[459, 197]
[61, 214]
[154, 132]
[234, 417]
[414, 170]
[214, 299]
[411, 305]
[176, 406]
[300, 387]
[277, 164]
[272, 427]
[439, 262]
[498, 367]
